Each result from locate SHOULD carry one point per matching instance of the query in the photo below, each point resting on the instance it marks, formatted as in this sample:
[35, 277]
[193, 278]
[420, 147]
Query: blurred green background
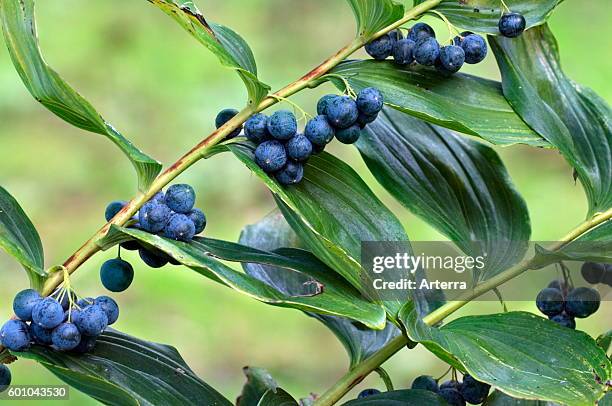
[162, 90]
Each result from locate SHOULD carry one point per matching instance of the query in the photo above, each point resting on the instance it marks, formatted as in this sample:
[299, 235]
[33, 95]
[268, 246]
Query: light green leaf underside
[373, 15]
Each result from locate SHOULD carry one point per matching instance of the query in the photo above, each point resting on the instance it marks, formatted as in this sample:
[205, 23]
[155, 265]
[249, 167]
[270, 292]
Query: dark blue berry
[403, 51]
[421, 31]
[550, 301]
[290, 174]
[223, 117]
[271, 156]
[24, 303]
[282, 125]
[131, 245]
[153, 216]
[591, 272]
[582, 302]
[369, 101]
[451, 384]
[557, 284]
[474, 47]
[153, 257]
[199, 220]
[180, 228]
[299, 148]
[564, 320]
[473, 391]
[452, 58]
[109, 306]
[116, 275]
[256, 128]
[365, 119]
[607, 277]
[5, 377]
[396, 35]
[511, 25]
[342, 112]
[86, 345]
[381, 47]
[323, 102]
[317, 149]
[113, 208]
[318, 130]
[425, 382]
[92, 321]
[48, 313]
[66, 336]
[158, 197]
[349, 135]
[452, 397]
[180, 198]
[84, 302]
[15, 335]
[41, 335]
[427, 51]
[367, 392]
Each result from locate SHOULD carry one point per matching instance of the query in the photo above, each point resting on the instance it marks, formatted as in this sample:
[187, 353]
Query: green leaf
[497, 398]
[523, 355]
[124, 370]
[54, 93]
[336, 297]
[374, 15]
[605, 340]
[19, 238]
[332, 211]
[405, 397]
[573, 119]
[463, 103]
[483, 15]
[458, 185]
[231, 49]
[277, 397]
[259, 381]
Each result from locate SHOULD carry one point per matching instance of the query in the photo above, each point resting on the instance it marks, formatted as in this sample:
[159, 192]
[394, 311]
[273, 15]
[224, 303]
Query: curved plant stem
[361, 370]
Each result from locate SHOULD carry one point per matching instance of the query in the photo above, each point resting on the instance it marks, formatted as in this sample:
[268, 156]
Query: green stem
[385, 378]
[361, 370]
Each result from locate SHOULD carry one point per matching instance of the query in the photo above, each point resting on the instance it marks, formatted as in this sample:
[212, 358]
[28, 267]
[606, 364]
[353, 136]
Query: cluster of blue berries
[595, 273]
[59, 321]
[282, 151]
[171, 214]
[563, 304]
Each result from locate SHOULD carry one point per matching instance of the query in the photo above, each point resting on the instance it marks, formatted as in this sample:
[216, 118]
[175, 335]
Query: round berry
[299, 148]
[84, 302]
[317, 149]
[41, 335]
[451, 384]
[557, 284]
[24, 303]
[256, 128]
[116, 275]
[66, 336]
[342, 112]
[474, 392]
[564, 320]
[282, 125]
[427, 51]
[158, 197]
[425, 382]
[318, 130]
[474, 47]
[607, 276]
[92, 321]
[290, 174]
[180, 228]
[452, 58]
[271, 156]
[369, 101]
[113, 208]
[421, 31]
[110, 307]
[15, 335]
[403, 51]
[396, 35]
[48, 313]
[199, 220]
[452, 396]
[365, 119]
[153, 216]
[349, 135]
[381, 47]
[5, 377]
[591, 272]
[223, 117]
[511, 25]
[323, 102]
[86, 345]
[550, 301]
[582, 302]
[131, 245]
[367, 392]
[180, 198]
[153, 257]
